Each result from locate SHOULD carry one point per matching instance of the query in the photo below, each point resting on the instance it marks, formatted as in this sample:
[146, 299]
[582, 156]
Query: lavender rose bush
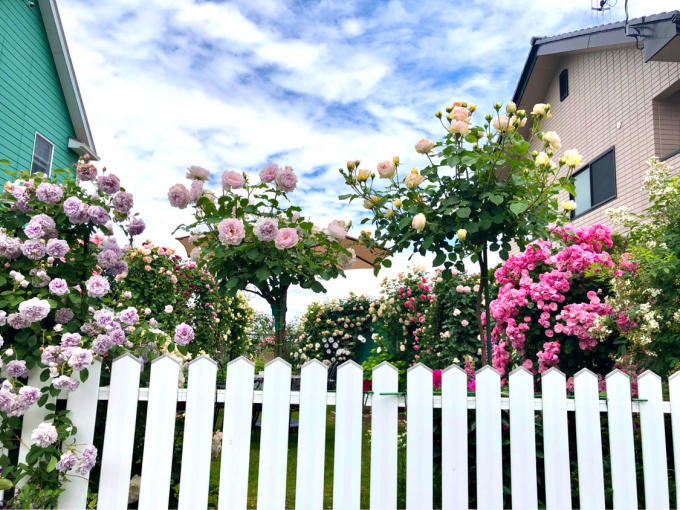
[59, 261]
[253, 239]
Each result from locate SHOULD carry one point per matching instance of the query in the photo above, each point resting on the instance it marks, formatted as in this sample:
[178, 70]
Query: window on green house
[42, 155]
[595, 184]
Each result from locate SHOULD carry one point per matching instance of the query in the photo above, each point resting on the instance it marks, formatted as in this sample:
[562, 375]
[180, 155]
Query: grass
[292, 464]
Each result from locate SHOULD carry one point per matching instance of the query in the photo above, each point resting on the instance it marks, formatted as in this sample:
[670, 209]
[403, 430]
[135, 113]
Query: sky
[311, 84]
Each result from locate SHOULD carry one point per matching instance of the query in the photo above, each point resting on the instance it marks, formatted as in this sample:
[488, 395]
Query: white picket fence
[349, 399]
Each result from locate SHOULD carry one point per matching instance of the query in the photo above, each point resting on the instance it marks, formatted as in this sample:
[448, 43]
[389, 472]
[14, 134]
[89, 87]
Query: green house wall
[31, 98]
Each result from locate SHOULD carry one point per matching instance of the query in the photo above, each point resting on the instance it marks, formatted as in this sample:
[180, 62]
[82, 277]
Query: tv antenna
[602, 9]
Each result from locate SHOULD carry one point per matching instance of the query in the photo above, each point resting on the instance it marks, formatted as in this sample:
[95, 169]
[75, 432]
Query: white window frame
[35, 139]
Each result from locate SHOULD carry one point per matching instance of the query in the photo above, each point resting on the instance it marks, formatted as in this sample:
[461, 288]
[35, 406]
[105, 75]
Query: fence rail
[238, 397]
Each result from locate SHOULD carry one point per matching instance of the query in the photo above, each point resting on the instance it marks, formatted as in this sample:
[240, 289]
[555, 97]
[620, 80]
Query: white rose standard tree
[481, 190]
[252, 238]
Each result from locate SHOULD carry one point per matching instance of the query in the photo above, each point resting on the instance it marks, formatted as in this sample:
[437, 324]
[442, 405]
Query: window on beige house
[595, 183]
[564, 84]
[666, 108]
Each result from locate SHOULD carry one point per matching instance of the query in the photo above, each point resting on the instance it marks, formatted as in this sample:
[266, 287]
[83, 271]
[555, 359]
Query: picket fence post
[454, 439]
[555, 440]
[384, 429]
[197, 439]
[82, 405]
[419, 449]
[489, 439]
[119, 434]
[522, 439]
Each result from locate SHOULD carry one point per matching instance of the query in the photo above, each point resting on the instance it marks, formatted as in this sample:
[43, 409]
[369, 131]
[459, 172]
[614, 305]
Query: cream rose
[418, 222]
[572, 158]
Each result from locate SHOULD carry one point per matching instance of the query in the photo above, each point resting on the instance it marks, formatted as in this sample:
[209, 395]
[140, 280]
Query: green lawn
[292, 463]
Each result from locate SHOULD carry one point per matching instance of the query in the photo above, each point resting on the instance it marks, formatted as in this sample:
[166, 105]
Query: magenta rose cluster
[535, 297]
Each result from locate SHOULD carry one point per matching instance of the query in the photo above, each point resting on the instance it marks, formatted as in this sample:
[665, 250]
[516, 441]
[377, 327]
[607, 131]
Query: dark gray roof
[658, 30]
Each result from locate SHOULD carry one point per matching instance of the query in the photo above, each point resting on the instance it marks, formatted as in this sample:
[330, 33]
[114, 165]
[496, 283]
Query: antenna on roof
[601, 8]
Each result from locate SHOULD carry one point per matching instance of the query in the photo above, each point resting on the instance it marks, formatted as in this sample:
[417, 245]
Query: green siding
[31, 98]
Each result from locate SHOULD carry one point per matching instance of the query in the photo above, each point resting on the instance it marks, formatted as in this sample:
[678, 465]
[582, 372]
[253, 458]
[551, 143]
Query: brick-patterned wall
[667, 124]
[608, 86]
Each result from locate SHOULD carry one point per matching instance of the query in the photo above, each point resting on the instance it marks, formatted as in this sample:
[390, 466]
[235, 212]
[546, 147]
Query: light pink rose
[460, 113]
[232, 180]
[286, 238]
[231, 231]
[268, 173]
[502, 123]
[196, 191]
[265, 229]
[178, 196]
[337, 229]
[286, 180]
[198, 173]
[459, 126]
[386, 169]
[424, 146]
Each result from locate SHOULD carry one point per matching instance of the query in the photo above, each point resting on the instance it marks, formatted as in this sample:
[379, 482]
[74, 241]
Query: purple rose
[34, 309]
[58, 287]
[44, 435]
[108, 183]
[80, 358]
[123, 202]
[178, 195]
[97, 286]
[81, 217]
[286, 180]
[63, 315]
[129, 316]
[117, 336]
[118, 267]
[73, 206]
[87, 460]
[103, 317]
[107, 258]
[98, 215]
[136, 226]
[101, 345]
[49, 193]
[10, 247]
[183, 334]
[17, 321]
[57, 248]
[17, 368]
[64, 382]
[86, 172]
[40, 225]
[268, 173]
[66, 462]
[70, 340]
[33, 249]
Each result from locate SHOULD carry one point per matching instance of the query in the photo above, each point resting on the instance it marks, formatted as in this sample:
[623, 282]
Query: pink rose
[464, 323]
[337, 229]
[265, 229]
[459, 126]
[231, 231]
[502, 123]
[286, 238]
[460, 113]
[286, 180]
[198, 173]
[424, 146]
[232, 180]
[196, 190]
[178, 196]
[268, 173]
[386, 169]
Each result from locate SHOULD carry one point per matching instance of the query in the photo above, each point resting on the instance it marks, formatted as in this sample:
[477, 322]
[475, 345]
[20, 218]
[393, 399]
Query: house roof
[83, 143]
[660, 33]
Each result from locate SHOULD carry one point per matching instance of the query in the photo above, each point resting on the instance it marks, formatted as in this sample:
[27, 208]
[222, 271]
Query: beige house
[614, 92]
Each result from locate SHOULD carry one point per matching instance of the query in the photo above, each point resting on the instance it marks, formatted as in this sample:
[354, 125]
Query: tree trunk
[279, 309]
[484, 288]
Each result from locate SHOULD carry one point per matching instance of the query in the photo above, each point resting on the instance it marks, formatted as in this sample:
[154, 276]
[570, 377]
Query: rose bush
[481, 190]
[335, 331]
[251, 238]
[552, 302]
[172, 290]
[59, 258]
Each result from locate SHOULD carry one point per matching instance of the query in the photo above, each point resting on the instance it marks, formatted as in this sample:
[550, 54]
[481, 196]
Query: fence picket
[419, 449]
[82, 405]
[33, 416]
[621, 446]
[159, 437]
[311, 436]
[489, 446]
[454, 439]
[674, 397]
[384, 430]
[588, 440]
[347, 461]
[238, 411]
[522, 439]
[119, 435]
[653, 441]
[555, 440]
[271, 490]
[198, 430]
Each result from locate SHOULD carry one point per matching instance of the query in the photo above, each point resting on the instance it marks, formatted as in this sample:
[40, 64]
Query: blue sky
[311, 84]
